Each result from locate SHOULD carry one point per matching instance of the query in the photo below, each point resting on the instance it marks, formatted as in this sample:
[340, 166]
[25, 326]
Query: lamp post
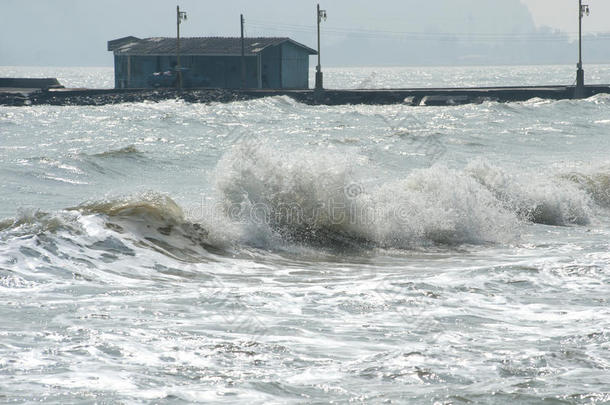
[243, 53]
[180, 15]
[321, 15]
[579, 92]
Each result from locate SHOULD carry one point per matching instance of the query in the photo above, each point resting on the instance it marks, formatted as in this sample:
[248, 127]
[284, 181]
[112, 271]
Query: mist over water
[272, 252]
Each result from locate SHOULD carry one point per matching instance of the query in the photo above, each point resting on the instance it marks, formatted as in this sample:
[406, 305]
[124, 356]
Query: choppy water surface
[272, 252]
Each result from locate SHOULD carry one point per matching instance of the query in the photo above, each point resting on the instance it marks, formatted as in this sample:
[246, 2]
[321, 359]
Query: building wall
[203, 71]
[271, 68]
[295, 67]
[283, 66]
[120, 68]
[220, 71]
[132, 71]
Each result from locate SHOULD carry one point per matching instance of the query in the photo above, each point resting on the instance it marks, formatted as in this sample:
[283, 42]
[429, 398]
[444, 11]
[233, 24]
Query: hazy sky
[563, 14]
[75, 32]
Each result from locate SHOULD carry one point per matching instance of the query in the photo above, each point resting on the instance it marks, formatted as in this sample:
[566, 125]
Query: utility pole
[319, 77]
[243, 53]
[579, 91]
[180, 15]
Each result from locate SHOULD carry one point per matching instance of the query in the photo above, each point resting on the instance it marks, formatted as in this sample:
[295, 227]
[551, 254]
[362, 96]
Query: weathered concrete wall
[29, 83]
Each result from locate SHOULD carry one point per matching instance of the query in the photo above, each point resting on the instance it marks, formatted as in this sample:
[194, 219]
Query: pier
[55, 94]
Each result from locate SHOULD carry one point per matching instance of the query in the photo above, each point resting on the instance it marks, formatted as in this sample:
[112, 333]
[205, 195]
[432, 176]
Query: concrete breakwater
[415, 97]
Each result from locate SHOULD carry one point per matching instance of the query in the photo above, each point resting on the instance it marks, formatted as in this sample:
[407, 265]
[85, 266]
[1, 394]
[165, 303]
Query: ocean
[269, 252]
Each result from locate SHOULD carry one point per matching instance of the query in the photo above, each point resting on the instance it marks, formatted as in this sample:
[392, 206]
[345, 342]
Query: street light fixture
[319, 77]
[180, 16]
[583, 9]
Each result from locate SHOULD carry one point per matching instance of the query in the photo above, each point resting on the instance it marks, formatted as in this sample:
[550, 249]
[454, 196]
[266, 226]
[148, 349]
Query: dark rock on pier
[417, 97]
[103, 97]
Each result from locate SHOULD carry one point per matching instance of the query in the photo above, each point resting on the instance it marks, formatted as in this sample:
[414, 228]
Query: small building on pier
[216, 62]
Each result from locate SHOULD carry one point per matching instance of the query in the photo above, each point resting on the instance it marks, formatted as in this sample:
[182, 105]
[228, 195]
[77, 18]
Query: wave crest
[597, 185]
[126, 151]
[152, 206]
[155, 221]
[34, 222]
[542, 199]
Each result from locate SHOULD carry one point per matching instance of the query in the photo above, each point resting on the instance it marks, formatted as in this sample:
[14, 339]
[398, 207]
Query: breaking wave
[81, 241]
[540, 199]
[267, 197]
[323, 199]
[154, 221]
[320, 198]
[597, 185]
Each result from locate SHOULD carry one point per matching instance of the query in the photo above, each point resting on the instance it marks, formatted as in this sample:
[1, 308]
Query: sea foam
[321, 197]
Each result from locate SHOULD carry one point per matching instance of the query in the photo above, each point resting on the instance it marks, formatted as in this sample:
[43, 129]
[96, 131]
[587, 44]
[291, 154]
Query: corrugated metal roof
[117, 43]
[197, 46]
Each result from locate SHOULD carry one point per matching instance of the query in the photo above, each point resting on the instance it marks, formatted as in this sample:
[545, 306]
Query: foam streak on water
[272, 252]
